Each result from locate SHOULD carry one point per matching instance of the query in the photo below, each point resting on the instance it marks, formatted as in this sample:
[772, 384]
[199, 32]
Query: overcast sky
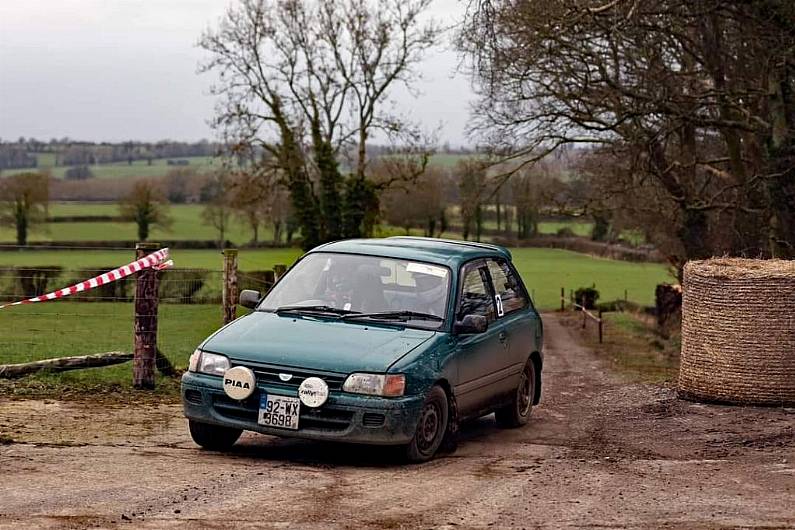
[126, 69]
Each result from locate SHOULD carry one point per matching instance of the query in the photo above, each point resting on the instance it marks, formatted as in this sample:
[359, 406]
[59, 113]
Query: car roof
[433, 250]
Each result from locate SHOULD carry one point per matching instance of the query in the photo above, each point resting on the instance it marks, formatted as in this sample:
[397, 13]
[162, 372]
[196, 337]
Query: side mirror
[249, 298]
[471, 324]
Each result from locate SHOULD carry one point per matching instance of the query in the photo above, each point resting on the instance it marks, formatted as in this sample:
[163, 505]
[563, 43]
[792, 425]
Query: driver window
[475, 296]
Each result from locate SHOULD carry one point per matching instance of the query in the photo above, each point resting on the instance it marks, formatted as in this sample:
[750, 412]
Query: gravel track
[599, 452]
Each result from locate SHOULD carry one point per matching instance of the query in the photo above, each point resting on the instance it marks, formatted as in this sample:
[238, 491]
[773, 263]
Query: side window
[507, 286]
[475, 294]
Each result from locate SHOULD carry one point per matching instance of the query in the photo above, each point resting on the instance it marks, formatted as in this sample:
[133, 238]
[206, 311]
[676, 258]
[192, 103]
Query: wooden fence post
[562, 298]
[270, 279]
[278, 271]
[584, 315]
[229, 293]
[146, 301]
[600, 326]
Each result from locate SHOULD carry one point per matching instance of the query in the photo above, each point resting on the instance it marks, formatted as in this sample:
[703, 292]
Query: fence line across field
[148, 294]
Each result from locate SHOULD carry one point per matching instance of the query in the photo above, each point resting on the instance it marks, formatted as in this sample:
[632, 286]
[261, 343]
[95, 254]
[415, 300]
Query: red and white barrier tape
[156, 260]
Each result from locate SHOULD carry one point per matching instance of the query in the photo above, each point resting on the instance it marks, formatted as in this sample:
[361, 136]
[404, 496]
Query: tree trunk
[22, 226]
[255, 229]
[10, 371]
[330, 183]
[478, 222]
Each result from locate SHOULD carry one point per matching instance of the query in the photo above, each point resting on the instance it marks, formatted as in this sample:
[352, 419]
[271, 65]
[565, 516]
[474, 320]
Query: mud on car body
[377, 341]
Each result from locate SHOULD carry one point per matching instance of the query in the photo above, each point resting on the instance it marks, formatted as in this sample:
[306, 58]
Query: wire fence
[186, 302]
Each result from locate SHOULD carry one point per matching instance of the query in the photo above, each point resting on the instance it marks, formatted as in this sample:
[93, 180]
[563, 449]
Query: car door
[515, 325]
[476, 353]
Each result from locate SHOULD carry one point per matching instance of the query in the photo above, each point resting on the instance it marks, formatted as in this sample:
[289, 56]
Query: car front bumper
[344, 417]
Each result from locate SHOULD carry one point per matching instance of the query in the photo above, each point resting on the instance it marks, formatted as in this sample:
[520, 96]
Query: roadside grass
[61, 329]
[633, 346]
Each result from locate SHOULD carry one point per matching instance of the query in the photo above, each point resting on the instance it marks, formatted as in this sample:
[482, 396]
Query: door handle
[502, 336]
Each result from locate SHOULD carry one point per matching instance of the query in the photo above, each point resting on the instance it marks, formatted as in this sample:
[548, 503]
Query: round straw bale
[738, 332]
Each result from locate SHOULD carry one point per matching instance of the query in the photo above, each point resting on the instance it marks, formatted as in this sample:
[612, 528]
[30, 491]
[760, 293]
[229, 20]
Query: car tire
[431, 427]
[518, 412]
[213, 437]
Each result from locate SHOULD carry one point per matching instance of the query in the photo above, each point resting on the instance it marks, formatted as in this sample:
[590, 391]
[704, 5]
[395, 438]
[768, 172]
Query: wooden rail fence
[586, 314]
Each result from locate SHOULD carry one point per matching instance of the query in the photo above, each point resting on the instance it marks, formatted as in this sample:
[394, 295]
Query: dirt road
[599, 452]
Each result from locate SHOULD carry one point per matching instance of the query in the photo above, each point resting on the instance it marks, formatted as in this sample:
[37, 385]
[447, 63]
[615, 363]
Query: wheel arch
[538, 364]
[452, 407]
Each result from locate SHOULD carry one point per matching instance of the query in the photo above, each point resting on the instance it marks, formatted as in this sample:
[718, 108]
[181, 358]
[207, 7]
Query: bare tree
[147, 207]
[473, 192]
[307, 81]
[421, 205]
[693, 100]
[217, 211]
[23, 202]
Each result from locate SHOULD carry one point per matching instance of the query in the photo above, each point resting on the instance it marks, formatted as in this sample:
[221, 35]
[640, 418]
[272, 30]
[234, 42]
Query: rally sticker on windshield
[500, 310]
[424, 268]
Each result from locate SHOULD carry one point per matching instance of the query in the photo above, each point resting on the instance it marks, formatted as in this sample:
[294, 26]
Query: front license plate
[278, 411]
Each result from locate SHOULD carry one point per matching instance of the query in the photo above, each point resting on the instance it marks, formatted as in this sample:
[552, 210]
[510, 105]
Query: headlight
[388, 385]
[193, 362]
[208, 363]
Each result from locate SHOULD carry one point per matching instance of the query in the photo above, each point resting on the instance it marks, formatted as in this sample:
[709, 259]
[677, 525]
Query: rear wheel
[517, 413]
[213, 437]
[431, 427]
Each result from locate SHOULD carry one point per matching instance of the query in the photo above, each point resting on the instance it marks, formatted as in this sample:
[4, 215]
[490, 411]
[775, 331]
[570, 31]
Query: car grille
[245, 410]
[321, 419]
[269, 374]
[371, 419]
[193, 396]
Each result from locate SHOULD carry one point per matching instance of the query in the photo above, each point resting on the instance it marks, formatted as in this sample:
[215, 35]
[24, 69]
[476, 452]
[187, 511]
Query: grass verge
[61, 329]
[633, 347]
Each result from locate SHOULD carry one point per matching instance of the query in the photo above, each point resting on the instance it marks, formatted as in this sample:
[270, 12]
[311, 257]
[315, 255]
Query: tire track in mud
[598, 451]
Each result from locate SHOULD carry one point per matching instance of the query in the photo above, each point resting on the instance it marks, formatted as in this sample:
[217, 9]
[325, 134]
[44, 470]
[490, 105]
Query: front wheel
[431, 427]
[517, 413]
[213, 437]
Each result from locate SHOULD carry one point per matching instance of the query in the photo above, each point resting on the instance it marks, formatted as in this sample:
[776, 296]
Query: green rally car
[376, 341]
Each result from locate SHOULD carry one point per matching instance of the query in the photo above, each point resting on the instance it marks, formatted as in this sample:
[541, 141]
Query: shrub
[587, 296]
[78, 173]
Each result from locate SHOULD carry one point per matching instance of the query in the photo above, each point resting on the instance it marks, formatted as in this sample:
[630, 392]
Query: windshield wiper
[313, 309]
[394, 315]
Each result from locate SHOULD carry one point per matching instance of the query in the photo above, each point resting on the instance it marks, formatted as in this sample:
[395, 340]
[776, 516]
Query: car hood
[305, 342]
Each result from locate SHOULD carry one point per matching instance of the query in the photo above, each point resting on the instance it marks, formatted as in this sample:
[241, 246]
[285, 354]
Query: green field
[139, 168]
[188, 225]
[544, 271]
[447, 159]
[60, 328]
[249, 259]
[159, 167]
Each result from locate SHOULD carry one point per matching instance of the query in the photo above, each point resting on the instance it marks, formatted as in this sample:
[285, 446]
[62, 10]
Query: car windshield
[352, 283]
